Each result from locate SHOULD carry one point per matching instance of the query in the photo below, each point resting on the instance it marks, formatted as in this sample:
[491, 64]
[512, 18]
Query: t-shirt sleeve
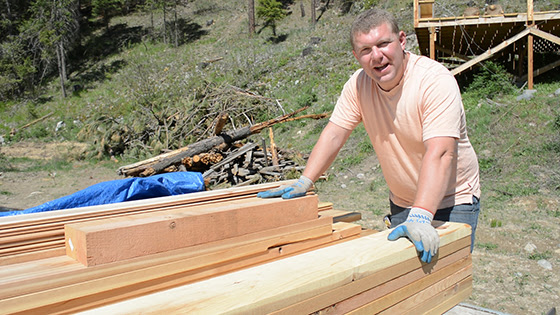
[442, 107]
[347, 113]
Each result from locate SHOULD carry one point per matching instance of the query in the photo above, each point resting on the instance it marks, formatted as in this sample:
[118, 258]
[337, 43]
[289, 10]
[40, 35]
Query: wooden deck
[522, 42]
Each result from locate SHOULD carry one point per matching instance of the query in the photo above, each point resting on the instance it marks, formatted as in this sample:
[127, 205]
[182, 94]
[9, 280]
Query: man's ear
[402, 39]
[354, 53]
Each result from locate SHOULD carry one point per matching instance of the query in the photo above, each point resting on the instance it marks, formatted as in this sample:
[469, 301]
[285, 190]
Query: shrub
[492, 80]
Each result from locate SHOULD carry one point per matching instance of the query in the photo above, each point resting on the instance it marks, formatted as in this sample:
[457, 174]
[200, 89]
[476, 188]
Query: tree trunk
[152, 15]
[61, 67]
[164, 23]
[313, 15]
[9, 16]
[251, 13]
[176, 26]
[193, 149]
[302, 7]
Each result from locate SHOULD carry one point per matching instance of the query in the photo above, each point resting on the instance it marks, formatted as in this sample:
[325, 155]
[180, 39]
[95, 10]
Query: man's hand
[418, 228]
[297, 189]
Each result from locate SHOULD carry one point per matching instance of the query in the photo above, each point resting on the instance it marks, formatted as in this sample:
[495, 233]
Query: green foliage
[495, 223]
[368, 4]
[106, 9]
[491, 81]
[306, 98]
[271, 11]
[538, 256]
[487, 246]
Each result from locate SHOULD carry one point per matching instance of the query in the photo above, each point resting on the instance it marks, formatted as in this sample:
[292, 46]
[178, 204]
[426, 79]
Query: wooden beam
[545, 35]
[433, 36]
[341, 215]
[23, 235]
[541, 70]
[400, 298]
[440, 295]
[278, 284]
[490, 52]
[396, 275]
[466, 21]
[530, 61]
[415, 13]
[114, 239]
[61, 285]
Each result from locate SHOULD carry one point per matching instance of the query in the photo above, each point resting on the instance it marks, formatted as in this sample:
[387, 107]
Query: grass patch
[541, 255]
[487, 246]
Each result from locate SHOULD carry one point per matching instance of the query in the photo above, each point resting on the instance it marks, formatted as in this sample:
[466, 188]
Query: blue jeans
[463, 213]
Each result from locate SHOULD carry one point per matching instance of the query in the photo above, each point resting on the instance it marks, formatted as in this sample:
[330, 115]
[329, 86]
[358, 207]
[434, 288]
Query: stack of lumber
[368, 275]
[158, 244]
[41, 235]
[219, 252]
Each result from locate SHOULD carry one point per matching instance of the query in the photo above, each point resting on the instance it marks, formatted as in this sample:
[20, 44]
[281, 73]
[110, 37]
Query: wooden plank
[278, 284]
[115, 239]
[341, 215]
[545, 35]
[453, 296]
[101, 211]
[34, 255]
[530, 61]
[60, 284]
[490, 52]
[325, 205]
[432, 296]
[447, 254]
[381, 301]
[343, 230]
[31, 229]
[375, 287]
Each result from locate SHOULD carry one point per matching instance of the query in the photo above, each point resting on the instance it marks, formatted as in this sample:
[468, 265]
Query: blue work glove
[418, 228]
[297, 189]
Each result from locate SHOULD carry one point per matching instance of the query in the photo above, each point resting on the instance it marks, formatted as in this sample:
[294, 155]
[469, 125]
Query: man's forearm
[438, 170]
[325, 151]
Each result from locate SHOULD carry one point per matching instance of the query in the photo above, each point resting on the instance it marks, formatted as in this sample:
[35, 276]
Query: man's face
[381, 54]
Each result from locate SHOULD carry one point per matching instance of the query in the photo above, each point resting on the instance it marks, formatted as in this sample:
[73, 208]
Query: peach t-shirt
[426, 104]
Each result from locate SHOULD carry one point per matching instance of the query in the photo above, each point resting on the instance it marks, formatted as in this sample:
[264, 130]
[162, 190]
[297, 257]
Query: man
[412, 111]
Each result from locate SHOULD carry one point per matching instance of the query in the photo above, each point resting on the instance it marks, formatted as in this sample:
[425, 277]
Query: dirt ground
[506, 277]
[21, 189]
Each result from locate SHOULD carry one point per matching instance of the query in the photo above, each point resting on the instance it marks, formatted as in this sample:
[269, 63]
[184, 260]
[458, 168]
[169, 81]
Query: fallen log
[193, 149]
[159, 163]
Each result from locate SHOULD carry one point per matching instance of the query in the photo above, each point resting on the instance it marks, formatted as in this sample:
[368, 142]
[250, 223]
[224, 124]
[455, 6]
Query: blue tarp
[120, 190]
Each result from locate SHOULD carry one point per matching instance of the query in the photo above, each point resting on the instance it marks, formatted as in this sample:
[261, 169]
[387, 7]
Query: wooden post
[416, 14]
[530, 23]
[433, 43]
[530, 62]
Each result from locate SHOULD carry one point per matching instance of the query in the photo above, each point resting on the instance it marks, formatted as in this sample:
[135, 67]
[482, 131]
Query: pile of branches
[228, 158]
[158, 123]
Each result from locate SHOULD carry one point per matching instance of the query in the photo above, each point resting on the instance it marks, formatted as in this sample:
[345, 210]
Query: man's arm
[323, 154]
[325, 151]
[438, 169]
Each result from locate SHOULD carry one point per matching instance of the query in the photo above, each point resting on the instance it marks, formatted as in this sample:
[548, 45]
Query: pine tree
[271, 11]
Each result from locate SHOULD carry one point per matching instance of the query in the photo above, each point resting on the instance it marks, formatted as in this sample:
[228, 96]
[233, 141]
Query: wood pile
[227, 159]
[223, 251]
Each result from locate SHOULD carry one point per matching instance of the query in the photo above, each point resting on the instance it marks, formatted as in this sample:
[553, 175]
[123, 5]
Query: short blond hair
[371, 19]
